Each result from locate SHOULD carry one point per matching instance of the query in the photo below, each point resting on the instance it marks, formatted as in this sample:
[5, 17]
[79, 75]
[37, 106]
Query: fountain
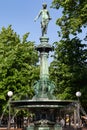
[44, 104]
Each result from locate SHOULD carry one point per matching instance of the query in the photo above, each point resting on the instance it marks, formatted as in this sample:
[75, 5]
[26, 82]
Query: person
[45, 18]
[62, 122]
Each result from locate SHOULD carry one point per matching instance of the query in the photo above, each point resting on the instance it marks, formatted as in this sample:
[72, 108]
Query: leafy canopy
[18, 65]
[74, 16]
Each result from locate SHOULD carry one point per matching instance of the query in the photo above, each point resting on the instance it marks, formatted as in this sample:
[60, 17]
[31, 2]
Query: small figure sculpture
[44, 13]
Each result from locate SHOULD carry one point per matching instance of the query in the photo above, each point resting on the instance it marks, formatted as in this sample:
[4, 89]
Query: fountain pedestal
[44, 87]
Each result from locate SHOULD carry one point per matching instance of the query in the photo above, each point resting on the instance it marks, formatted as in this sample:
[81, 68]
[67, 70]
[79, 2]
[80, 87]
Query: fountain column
[44, 72]
[44, 87]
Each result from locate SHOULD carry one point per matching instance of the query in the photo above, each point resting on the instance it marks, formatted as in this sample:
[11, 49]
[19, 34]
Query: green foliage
[74, 16]
[69, 68]
[18, 65]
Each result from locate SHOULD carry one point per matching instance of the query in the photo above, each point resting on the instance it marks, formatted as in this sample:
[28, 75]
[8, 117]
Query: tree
[74, 16]
[18, 65]
[69, 67]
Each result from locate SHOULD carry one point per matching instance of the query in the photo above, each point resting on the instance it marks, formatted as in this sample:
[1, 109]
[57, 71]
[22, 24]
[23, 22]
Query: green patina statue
[44, 13]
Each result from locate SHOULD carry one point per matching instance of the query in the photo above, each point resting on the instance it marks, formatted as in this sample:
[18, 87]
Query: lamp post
[78, 94]
[10, 94]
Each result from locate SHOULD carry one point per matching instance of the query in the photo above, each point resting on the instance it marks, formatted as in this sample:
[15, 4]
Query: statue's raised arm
[45, 17]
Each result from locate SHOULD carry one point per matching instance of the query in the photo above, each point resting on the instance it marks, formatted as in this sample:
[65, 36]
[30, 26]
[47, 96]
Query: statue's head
[44, 5]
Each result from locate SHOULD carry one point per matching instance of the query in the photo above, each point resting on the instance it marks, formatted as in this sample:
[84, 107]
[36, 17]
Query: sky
[21, 14]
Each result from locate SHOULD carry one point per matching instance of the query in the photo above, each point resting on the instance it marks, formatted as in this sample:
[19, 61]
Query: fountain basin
[41, 103]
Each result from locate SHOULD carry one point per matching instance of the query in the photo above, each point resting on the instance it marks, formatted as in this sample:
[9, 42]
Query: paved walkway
[68, 128]
[84, 128]
[65, 128]
[71, 128]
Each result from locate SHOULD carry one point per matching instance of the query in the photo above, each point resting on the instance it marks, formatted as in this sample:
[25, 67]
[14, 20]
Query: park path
[65, 128]
[71, 128]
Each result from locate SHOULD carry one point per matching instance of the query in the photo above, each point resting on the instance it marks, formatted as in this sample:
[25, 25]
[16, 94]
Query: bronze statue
[44, 13]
